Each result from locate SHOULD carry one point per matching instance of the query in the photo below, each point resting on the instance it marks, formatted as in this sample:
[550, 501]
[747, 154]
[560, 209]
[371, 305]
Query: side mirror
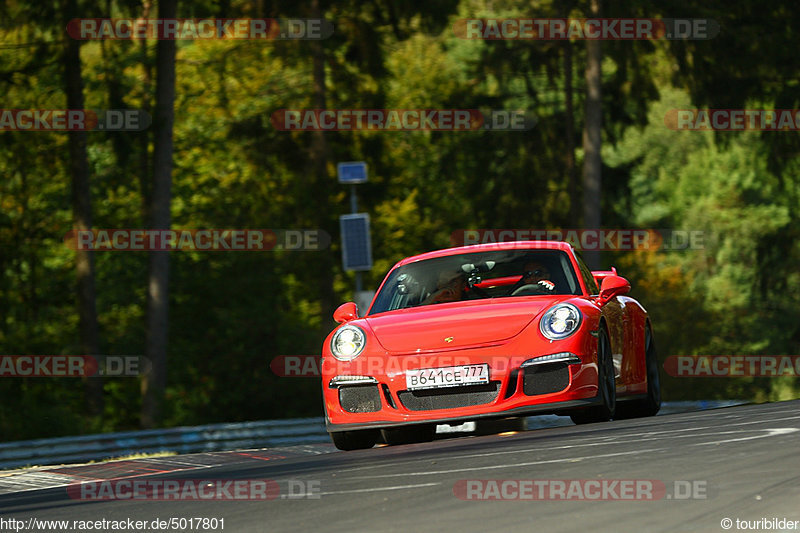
[612, 286]
[345, 312]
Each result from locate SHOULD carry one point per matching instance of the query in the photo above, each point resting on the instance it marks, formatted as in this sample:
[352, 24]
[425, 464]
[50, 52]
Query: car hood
[465, 324]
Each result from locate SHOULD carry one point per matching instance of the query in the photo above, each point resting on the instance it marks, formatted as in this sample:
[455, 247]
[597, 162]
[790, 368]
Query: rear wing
[600, 275]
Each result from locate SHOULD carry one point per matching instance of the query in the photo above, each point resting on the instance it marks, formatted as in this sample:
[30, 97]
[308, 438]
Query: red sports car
[493, 330]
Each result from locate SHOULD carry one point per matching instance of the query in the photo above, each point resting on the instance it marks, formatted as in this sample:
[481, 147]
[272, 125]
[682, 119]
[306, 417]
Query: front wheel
[606, 384]
[354, 440]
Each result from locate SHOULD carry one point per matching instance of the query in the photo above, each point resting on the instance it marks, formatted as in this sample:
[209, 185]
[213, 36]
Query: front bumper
[379, 398]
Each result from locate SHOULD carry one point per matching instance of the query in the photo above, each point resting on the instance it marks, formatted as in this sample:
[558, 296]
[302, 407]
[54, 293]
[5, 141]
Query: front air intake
[360, 398]
[545, 378]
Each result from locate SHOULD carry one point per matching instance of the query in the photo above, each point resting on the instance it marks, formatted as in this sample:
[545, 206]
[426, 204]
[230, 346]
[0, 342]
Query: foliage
[231, 313]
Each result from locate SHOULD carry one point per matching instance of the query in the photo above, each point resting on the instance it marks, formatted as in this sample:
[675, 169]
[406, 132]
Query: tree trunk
[82, 214]
[319, 162]
[143, 137]
[592, 137]
[153, 385]
[569, 134]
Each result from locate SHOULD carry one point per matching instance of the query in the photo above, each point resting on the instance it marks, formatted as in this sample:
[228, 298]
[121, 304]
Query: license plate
[450, 376]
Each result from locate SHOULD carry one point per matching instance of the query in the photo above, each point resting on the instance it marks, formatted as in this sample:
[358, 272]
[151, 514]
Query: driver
[537, 275]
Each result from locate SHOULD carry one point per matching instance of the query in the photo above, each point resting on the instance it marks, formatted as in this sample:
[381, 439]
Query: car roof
[511, 245]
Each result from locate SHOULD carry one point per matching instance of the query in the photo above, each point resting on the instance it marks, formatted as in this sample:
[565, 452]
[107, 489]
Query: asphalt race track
[739, 463]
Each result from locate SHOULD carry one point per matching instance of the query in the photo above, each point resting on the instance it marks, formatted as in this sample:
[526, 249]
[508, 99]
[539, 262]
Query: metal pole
[354, 210]
[353, 200]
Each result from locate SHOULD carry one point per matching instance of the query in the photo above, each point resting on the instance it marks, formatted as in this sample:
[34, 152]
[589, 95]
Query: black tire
[409, 435]
[651, 404]
[606, 384]
[355, 440]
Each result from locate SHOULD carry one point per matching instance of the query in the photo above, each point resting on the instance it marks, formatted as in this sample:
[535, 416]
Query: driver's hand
[546, 285]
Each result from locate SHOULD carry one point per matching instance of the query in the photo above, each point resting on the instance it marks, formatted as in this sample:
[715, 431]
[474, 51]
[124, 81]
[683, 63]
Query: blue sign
[352, 172]
[356, 242]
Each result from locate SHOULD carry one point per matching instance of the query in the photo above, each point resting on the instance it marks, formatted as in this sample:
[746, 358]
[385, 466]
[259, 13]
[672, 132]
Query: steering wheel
[525, 288]
[536, 288]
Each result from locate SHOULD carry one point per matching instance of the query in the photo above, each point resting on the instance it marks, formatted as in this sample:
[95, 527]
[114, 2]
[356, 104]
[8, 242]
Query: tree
[82, 213]
[154, 384]
[593, 137]
[318, 161]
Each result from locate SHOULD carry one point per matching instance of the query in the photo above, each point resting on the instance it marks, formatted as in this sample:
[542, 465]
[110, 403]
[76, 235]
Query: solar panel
[356, 243]
[352, 172]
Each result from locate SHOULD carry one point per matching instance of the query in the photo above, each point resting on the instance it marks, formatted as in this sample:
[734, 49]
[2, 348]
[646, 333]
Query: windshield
[475, 276]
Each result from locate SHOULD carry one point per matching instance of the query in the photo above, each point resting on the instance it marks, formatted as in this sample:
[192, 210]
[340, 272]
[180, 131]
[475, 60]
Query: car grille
[360, 399]
[450, 397]
[545, 379]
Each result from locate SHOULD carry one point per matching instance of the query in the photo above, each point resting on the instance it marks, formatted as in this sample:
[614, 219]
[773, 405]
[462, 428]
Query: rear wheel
[409, 435]
[606, 384]
[650, 405]
[355, 440]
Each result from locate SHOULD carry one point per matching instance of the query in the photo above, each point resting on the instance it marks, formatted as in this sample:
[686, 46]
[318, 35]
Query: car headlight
[560, 321]
[348, 342]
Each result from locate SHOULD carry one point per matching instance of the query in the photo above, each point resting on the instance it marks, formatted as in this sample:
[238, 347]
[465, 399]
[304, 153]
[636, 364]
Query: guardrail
[222, 437]
[208, 438]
